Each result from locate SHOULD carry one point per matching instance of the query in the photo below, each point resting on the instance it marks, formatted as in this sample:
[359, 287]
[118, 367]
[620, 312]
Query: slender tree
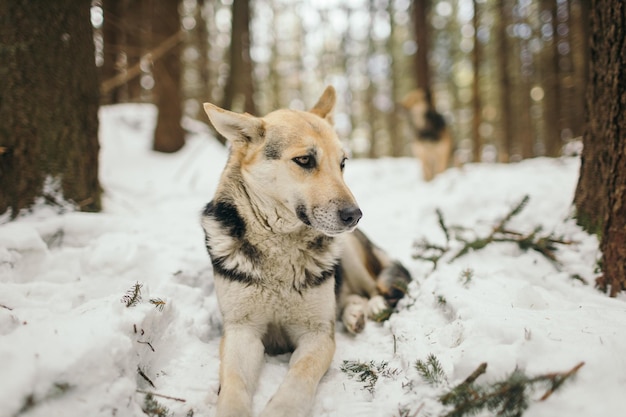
[113, 38]
[506, 104]
[422, 37]
[48, 104]
[240, 85]
[476, 93]
[600, 197]
[169, 135]
[552, 83]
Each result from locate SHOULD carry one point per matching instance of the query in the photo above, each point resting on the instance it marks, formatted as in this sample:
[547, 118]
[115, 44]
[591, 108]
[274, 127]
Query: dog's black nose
[350, 216]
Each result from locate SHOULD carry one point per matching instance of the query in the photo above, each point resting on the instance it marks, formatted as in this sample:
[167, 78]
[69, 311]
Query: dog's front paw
[354, 318]
[376, 306]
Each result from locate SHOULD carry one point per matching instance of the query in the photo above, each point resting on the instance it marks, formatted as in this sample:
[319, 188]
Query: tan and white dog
[277, 232]
[432, 143]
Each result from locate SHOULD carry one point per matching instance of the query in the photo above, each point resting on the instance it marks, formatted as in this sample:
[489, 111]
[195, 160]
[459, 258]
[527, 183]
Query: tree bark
[169, 135]
[240, 85]
[506, 115]
[477, 142]
[113, 38]
[600, 197]
[49, 104]
[420, 23]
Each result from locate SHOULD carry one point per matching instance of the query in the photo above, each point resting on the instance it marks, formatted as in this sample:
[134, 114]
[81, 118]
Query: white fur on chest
[283, 269]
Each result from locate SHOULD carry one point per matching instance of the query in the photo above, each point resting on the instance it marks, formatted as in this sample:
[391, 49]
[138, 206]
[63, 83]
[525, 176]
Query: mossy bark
[48, 103]
[601, 192]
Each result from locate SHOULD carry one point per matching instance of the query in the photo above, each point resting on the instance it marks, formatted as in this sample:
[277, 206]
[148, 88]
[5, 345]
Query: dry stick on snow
[146, 343]
[135, 70]
[558, 379]
[154, 394]
[144, 376]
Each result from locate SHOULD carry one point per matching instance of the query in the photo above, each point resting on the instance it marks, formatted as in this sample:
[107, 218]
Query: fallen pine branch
[546, 245]
[509, 397]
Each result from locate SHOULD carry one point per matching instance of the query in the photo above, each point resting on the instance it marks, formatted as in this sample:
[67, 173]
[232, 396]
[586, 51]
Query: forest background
[514, 79]
[508, 75]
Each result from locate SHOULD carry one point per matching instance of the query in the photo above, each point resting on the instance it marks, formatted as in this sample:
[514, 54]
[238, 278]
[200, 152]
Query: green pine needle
[431, 370]
[133, 295]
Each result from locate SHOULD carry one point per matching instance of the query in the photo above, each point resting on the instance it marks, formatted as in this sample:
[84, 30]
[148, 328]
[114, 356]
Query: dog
[280, 232]
[433, 142]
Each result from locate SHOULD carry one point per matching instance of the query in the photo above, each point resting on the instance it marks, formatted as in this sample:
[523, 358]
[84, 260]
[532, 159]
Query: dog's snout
[350, 215]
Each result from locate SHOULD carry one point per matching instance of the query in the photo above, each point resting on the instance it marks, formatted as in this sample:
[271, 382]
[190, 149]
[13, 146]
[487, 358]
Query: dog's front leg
[241, 356]
[308, 364]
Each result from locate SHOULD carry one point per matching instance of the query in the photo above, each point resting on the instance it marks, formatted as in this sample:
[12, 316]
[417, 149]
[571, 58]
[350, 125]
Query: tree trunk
[420, 23]
[240, 85]
[135, 34]
[169, 135]
[113, 38]
[552, 101]
[477, 142]
[600, 197]
[49, 105]
[505, 84]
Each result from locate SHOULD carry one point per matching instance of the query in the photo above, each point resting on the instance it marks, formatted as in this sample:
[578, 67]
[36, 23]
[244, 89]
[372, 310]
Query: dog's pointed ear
[235, 126]
[324, 106]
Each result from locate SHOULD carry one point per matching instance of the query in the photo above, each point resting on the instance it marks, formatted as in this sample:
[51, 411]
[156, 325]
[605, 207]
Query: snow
[69, 346]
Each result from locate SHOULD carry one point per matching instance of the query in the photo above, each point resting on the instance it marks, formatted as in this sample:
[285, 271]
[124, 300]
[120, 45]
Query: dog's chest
[295, 261]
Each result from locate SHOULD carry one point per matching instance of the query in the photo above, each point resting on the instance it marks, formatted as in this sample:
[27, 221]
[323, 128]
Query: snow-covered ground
[69, 347]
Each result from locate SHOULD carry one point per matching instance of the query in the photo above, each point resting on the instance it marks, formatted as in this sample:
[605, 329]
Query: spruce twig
[431, 370]
[368, 372]
[133, 295]
[158, 303]
[442, 225]
[152, 408]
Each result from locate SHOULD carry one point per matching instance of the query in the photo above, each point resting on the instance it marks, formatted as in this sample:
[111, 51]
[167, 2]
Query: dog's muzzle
[350, 216]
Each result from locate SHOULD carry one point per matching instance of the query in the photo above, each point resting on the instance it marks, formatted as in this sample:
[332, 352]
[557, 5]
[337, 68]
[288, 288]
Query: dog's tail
[391, 277]
[392, 282]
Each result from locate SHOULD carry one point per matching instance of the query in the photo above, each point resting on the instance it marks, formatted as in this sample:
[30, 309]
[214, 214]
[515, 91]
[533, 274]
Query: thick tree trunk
[169, 135]
[601, 192]
[48, 104]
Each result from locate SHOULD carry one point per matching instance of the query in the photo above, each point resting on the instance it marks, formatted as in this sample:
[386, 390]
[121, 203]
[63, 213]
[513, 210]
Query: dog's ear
[235, 126]
[324, 106]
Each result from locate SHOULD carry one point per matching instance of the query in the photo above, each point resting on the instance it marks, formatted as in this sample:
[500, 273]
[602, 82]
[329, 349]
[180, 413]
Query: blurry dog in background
[432, 140]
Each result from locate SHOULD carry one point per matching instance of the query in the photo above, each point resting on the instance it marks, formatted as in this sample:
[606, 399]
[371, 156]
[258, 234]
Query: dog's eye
[305, 161]
[343, 163]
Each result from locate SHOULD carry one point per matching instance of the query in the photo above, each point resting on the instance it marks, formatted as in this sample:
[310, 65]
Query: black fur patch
[273, 150]
[338, 277]
[301, 213]
[231, 274]
[228, 216]
[320, 244]
[312, 280]
[435, 123]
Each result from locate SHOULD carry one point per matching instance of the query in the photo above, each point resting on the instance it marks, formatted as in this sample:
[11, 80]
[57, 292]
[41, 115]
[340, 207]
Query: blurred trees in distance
[508, 75]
